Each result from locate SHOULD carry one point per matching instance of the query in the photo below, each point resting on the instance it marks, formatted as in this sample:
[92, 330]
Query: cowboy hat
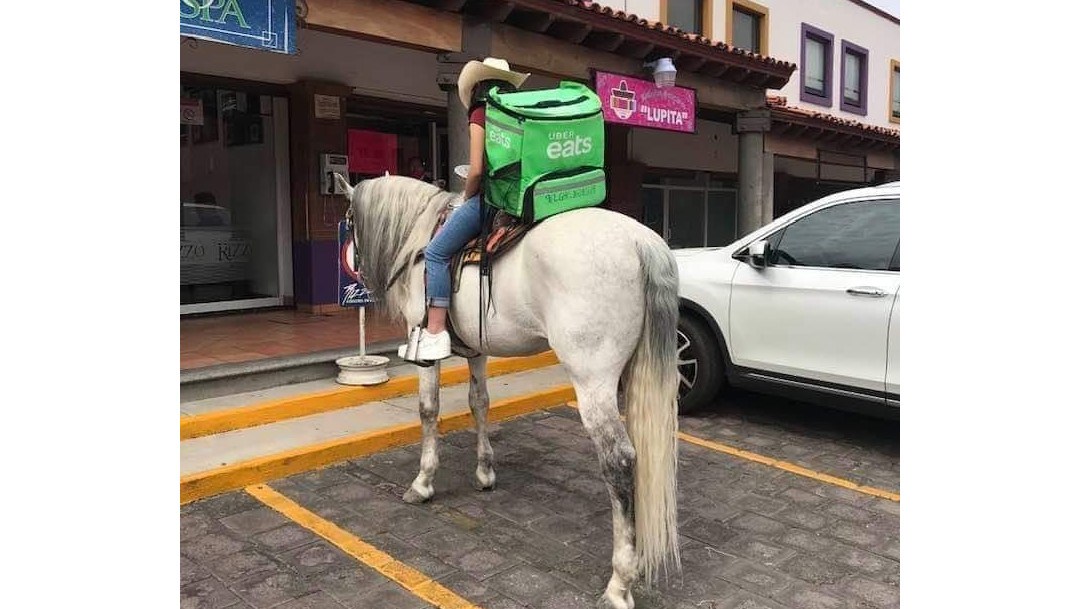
[489, 69]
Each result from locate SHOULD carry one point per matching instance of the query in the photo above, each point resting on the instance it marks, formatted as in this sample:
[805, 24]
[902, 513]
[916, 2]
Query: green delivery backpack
[545, 151]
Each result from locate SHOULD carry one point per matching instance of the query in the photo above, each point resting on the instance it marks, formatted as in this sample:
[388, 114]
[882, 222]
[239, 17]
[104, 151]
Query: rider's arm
[476, 160]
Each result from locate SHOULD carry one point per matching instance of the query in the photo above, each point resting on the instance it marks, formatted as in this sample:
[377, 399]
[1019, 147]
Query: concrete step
[225, 449]
[198, 405]
[231, 379]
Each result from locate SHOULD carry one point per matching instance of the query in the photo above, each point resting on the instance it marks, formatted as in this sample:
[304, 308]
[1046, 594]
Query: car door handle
[866, 291]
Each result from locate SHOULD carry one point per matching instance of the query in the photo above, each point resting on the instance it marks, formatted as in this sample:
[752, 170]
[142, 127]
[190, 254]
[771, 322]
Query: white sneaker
[431, 347]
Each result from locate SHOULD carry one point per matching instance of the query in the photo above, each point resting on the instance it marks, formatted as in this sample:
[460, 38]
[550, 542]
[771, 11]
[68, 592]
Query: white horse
[593, 285]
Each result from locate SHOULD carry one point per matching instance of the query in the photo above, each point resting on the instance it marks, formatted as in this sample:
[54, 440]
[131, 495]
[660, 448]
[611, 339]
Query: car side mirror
[759, 254]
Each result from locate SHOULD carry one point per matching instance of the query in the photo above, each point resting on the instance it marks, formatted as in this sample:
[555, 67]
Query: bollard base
[366, 370]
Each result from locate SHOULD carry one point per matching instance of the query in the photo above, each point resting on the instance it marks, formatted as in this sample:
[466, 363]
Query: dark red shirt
[477, 116]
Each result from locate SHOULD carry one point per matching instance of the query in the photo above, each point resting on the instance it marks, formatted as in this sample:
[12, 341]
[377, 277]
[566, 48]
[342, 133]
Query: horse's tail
[651, 386]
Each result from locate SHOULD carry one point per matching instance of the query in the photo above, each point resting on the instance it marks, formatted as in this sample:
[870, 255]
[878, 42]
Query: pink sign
[633, 101]
[372, 152]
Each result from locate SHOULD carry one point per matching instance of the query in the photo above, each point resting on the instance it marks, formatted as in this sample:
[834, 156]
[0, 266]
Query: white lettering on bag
[568, 148]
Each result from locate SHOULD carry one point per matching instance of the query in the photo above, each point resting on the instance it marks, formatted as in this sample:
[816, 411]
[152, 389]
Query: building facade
[371, 84]
[835, 124]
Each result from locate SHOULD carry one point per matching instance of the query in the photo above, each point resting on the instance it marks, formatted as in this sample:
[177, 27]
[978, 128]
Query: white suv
[807, 306]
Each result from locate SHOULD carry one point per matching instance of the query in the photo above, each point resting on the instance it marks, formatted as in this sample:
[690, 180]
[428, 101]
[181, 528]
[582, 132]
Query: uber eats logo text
[566, 144]
[214, 11]
[498, 136]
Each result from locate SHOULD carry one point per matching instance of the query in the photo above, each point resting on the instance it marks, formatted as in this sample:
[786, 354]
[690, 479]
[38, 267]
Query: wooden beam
[691, 63]
[737, 75]
[715, 69]
[758, 80]
[535, 22]
[496, 10]
[562, 29]
[388, 21]
[638, 49]
[604, 41]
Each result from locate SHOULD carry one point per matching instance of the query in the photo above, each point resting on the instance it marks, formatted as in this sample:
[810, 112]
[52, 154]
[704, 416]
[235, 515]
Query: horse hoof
[413, 497]
[606, 602]
[480, 485]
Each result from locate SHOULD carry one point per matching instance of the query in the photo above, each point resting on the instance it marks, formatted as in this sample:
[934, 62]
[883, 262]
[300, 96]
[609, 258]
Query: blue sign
[351, 289]
[269, 25]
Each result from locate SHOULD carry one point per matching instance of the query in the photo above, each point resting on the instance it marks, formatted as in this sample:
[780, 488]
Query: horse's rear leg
[478, 403]
[598, 407]
[423, 487]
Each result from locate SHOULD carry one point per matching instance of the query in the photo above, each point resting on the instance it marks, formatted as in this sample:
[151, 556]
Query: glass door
[233, 200]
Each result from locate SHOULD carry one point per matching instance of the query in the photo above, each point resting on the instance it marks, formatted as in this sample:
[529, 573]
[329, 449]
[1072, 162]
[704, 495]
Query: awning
[602, 28]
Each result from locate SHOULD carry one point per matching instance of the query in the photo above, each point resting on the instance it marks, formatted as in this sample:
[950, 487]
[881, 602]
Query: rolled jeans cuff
[442, 303]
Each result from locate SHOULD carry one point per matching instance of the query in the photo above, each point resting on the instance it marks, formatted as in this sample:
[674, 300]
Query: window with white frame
[816, 72]
[853, 77]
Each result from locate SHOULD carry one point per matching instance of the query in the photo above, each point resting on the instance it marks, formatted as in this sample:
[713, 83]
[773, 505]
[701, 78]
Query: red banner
[372, 152]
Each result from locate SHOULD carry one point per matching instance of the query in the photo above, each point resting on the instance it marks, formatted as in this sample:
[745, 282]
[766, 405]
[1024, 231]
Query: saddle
[501, 232]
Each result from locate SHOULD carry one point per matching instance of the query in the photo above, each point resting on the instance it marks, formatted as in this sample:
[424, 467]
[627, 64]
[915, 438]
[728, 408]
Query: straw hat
[489, 69]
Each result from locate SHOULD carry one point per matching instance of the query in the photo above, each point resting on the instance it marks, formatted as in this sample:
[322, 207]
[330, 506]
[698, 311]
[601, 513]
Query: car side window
[861, 235]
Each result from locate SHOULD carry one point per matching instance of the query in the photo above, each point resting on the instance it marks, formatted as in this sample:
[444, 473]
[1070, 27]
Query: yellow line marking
[254, 471]
[784, 465]
[412, 580]
[195, 426]
[788, 467]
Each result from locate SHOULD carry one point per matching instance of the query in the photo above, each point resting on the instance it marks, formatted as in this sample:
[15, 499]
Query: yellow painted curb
[412, 580]
[324, 401]
[254, 471]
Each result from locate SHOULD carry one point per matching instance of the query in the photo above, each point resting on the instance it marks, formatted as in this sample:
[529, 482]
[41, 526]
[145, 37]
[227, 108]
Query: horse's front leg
[478, 403]
[423, 487]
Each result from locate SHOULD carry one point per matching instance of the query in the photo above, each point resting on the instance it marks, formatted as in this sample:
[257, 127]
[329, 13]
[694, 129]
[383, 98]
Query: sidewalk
[246, 337]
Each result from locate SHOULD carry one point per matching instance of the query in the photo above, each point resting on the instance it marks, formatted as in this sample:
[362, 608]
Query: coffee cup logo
[622, 101]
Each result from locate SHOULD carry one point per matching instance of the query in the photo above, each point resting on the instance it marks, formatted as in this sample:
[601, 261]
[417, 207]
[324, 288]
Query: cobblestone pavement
[752, 536]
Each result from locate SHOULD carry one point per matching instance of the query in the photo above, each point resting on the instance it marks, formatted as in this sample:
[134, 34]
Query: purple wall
[315, 279]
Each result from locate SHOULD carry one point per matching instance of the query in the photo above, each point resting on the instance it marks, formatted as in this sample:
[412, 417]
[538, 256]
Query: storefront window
[396, 140]
[691, 210]
[687, 218]
[228, 197]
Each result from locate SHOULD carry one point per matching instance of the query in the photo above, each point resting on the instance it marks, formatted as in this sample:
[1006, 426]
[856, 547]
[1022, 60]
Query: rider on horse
[465, 223]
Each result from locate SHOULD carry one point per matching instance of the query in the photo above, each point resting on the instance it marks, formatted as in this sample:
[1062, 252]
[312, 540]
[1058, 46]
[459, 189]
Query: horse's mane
[393, 217]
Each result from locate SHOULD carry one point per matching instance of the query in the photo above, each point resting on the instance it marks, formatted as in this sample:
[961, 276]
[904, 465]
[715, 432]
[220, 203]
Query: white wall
[646, 9]
[845, 21]
[377, 70]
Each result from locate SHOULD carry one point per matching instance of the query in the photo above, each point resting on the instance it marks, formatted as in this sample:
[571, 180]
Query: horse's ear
[341, 181]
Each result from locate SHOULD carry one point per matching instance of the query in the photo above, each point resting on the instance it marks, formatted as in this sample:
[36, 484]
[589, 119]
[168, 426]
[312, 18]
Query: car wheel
[701, 368]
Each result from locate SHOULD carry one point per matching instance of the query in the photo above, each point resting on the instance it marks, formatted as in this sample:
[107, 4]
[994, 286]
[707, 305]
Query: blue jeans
[461, 227]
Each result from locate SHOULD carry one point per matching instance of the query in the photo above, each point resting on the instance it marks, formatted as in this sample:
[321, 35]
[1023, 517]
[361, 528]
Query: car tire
[701, 366]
